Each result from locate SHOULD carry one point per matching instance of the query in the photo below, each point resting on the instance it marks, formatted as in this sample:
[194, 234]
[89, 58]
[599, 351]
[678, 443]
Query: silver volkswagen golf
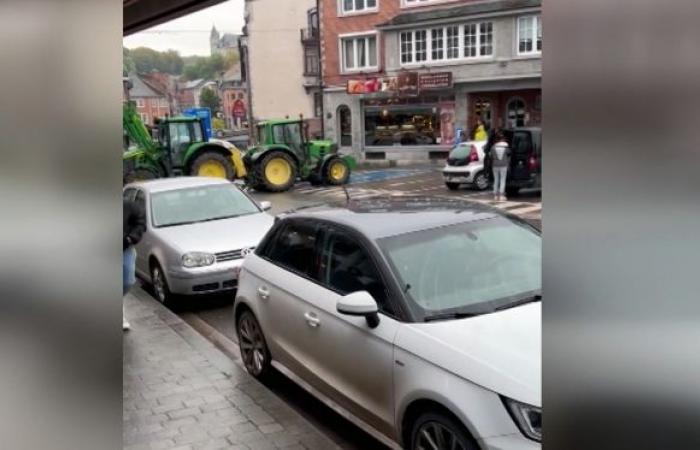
[418, 320]
[198, 230]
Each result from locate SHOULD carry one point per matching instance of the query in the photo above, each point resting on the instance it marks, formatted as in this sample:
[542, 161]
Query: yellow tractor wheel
[277, 172]
[337, 172]
[213, 164]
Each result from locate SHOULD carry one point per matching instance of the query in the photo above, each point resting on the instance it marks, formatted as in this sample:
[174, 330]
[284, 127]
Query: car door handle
[312, 320]
[263, 293]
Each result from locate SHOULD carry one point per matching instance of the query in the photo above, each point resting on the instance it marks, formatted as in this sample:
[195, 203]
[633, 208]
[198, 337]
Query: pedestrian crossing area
[419, 185]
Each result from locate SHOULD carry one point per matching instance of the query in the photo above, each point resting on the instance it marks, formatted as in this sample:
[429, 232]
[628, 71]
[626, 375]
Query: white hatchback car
[421, 322]
[465, 165]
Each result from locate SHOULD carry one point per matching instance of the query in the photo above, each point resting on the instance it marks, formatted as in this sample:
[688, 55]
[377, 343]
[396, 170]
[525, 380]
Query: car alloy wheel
[252, 344]
[481, 181]
[436, 436]
[160, 286]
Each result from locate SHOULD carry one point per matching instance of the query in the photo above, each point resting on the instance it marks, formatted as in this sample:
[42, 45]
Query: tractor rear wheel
[140, 175]
[276, 172]
[213, 164]
[336, 172]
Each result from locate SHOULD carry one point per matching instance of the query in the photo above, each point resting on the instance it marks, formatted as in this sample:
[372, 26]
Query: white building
[283, 43]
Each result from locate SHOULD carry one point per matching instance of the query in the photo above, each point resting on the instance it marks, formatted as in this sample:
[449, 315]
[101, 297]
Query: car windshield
[469, 268]
[199, 204]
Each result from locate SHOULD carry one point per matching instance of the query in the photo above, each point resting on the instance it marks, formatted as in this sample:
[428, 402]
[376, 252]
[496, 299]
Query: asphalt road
[215, 313]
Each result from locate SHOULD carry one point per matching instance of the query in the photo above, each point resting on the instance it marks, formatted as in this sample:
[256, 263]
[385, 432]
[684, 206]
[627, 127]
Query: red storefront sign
[406, 83]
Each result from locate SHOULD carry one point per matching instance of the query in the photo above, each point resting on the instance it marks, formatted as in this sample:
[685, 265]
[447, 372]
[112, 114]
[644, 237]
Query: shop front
[505, 109]
[410, 116]
[425, 121]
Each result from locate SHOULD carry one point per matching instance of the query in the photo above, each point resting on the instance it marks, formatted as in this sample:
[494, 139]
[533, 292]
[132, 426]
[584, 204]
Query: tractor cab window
[262, 134]
[180, 137]
[289, 134]
[197, 127]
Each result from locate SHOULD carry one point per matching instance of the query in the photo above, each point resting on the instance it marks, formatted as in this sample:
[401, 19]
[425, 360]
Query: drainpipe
[320, 71]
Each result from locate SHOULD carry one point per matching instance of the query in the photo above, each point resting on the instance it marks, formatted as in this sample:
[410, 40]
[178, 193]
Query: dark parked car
[525, 169]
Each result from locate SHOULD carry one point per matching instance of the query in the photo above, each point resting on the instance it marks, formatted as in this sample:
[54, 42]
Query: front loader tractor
[181, 148]
[285, 154]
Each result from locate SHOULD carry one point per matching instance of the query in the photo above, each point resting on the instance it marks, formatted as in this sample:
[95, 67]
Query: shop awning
[459, 12]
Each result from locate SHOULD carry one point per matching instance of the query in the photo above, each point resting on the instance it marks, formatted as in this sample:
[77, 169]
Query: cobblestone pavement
[180, 392]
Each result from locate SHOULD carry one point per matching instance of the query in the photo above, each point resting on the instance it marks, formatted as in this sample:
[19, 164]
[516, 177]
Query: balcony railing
[309, 35]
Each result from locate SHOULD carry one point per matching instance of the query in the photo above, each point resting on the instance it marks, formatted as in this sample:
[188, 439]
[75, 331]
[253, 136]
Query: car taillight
[532, 163]
[473, 155]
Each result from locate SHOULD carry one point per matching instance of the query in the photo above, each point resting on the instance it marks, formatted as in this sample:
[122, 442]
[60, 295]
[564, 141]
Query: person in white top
[500, 161]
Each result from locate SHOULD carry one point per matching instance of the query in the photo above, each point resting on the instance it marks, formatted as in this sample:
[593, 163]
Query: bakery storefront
[411, 116]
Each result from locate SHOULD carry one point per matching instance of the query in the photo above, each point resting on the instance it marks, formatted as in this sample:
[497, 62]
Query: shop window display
[394, 122]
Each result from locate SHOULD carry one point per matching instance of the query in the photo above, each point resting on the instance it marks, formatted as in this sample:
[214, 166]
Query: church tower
[214, 40]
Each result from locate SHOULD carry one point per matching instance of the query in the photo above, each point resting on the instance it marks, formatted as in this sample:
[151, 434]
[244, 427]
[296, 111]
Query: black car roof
[382, 217]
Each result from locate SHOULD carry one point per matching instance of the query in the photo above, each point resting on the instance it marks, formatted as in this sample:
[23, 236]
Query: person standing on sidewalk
[500, 160]
[134, 227]
[480, 131]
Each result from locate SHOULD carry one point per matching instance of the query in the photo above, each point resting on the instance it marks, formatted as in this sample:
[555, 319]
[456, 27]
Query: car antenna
[347, 195]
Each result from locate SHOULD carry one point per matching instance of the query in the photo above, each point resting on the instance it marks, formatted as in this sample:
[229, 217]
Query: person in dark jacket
[134, 227]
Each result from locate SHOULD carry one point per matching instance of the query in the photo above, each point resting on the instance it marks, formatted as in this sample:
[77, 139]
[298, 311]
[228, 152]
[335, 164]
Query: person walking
[500, 160]
[134, 227]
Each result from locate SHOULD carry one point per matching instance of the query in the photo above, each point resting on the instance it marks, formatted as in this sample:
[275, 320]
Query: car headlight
[197, 259]
[528, 418]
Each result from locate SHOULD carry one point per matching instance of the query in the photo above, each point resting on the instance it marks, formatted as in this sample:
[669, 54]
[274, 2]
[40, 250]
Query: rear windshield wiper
[522, 301]
[448, 316]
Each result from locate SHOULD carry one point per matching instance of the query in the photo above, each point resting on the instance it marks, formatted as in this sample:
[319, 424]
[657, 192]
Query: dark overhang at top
[142, 14]
[436, 15]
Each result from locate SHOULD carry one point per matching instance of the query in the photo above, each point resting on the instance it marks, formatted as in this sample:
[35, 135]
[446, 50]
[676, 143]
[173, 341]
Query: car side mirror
[360, 303]
[265, 206]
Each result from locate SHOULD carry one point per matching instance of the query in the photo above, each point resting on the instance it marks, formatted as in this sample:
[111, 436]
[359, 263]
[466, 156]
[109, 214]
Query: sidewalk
[181, 392]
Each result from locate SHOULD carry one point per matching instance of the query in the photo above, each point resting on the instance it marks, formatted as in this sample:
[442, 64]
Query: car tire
[452, 186]
[441, 431]
[481, 181]
[159, 285]
[251, 341]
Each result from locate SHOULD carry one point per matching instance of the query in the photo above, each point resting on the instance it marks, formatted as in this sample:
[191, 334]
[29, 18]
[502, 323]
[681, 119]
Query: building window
[140, 103]
[515, 113]
[434, 45]
[420, 121]
[438, 43]
[358, 6]
[529, 35]
[311, 61]
[452, 42]
[318, 104]
[154, 102]
[144, 118]
[345, 126]
[421, 45]
[359, 53]
[407, 47]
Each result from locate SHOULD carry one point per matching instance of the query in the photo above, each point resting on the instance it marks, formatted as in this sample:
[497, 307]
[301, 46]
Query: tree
[209, 99]
[148, 60]
[128, 65]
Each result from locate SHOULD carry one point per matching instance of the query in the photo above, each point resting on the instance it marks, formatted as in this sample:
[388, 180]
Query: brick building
[421, 70]
[150, 101]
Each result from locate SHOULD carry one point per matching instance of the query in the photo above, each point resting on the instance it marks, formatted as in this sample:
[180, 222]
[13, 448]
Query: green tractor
[285, 154]
[181, 148]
